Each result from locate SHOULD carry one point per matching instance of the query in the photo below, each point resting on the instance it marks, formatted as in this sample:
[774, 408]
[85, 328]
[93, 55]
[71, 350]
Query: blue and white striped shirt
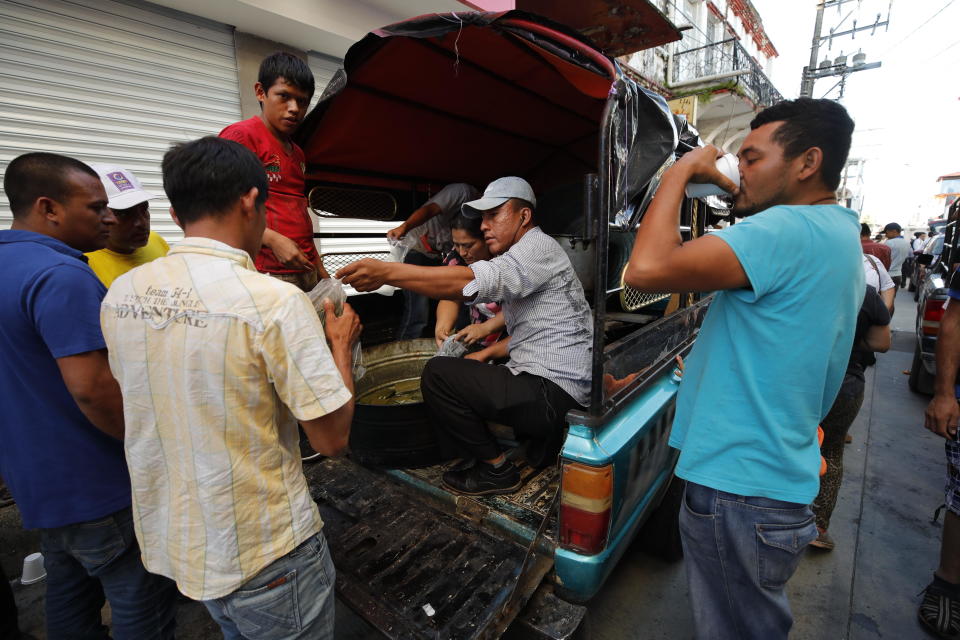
[547, 316]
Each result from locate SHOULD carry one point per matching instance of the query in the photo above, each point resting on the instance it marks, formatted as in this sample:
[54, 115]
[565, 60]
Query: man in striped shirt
[216, 363]
[551, 336]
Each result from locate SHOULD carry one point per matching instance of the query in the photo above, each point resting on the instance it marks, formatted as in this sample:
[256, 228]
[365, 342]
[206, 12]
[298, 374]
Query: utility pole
[806, 82]
[813, 72]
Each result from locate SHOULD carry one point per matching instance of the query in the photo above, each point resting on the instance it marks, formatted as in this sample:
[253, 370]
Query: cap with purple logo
[123, 188]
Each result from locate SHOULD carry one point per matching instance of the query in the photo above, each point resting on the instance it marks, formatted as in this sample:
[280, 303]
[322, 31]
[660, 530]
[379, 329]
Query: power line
[942, 51]
[925, 22]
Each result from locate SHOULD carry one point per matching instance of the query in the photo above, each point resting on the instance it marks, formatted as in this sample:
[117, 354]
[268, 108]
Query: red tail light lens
[932, 315]
[585, 501]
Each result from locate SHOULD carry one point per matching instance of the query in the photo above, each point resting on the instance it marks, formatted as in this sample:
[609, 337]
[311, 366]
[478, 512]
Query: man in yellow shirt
[131, 243]
[217, 363]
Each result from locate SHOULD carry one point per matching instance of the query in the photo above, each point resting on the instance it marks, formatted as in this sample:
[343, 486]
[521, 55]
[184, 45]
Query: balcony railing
[721, 61]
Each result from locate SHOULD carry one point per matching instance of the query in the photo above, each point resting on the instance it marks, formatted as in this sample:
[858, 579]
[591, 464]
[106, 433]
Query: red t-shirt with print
[286, 205]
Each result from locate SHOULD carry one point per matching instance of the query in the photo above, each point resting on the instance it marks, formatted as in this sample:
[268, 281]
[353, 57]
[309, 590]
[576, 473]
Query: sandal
[939, 612]
[823, 541]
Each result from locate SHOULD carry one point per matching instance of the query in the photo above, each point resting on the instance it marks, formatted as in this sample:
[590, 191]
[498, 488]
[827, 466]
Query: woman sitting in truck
[486, 322]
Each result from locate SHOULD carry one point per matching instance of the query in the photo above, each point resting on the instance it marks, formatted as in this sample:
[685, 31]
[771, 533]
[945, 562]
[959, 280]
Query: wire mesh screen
[631, 299]
[337, 202]
[332, 262]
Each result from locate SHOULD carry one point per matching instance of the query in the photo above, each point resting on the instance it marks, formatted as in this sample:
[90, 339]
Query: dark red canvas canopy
[463, 97]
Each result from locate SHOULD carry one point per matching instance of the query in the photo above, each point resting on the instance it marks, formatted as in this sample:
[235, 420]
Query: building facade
[717, 75]
[948, 192]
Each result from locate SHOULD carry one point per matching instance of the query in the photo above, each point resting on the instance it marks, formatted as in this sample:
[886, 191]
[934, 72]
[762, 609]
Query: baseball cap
[498, 192]
[893, 226]
[122, 187]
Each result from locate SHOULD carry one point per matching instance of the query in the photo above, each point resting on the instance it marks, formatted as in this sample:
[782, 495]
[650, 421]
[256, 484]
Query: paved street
[867, 588]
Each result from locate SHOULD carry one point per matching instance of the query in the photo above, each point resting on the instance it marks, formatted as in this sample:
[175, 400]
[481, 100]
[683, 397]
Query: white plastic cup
[729, 166]
[33, 569]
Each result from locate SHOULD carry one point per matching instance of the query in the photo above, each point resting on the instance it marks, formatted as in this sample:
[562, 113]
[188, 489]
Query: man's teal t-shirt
[769, 359]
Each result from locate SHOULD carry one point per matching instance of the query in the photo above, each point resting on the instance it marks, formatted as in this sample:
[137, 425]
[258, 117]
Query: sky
[906, 112]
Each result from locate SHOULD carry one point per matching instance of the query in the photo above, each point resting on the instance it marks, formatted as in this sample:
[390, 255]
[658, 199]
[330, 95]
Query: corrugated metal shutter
[112, 81]
[323, 68]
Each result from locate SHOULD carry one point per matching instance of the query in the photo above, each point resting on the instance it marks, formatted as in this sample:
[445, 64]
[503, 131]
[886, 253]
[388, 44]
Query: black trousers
[462, 395]
[8, 611]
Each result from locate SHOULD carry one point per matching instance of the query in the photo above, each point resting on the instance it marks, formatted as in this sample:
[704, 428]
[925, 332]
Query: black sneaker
[462, 464]
[483, 479]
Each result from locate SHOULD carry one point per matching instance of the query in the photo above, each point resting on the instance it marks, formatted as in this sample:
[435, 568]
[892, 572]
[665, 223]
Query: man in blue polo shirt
[61, 453]
[768, 361]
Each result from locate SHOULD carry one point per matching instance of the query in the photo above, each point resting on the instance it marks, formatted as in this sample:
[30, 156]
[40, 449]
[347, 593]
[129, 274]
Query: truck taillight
[932, 315]
[586, 495]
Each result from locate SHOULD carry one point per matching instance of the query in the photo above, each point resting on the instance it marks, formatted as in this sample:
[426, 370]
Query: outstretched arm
[447, 311]
[417, 218]
[445, 283]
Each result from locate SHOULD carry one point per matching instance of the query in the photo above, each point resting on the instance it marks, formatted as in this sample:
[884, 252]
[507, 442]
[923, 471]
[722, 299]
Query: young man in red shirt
[284, 88]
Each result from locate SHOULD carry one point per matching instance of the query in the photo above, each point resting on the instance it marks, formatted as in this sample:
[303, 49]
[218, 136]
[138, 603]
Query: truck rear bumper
[928, 347]
[549, 617]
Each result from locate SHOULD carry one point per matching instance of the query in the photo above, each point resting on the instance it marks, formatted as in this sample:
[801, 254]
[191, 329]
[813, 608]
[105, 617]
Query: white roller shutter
[112, 81]
[323, 68]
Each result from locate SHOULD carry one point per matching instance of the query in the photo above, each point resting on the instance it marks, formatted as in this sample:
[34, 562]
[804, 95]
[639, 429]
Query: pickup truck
[937, 266]
[469, 97]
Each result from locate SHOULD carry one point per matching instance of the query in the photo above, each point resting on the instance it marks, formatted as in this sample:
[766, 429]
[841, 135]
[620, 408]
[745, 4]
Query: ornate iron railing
[724, 58]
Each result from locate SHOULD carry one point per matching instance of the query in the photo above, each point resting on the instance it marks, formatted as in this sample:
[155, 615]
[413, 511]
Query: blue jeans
[739, 552]
[292, 598]
[90, 560]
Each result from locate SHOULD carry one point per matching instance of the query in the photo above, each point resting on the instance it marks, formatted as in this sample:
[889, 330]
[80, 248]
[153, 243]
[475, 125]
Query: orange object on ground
[823, 462]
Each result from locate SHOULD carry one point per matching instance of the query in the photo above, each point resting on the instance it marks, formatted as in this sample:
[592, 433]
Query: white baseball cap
[498, 192]
[122, 187]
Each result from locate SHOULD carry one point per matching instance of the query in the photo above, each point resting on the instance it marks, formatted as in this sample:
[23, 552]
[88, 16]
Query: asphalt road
[867, 588]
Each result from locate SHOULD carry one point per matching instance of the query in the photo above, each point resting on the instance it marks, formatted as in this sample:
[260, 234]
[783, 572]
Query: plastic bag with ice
[332, 289]
[452, 348]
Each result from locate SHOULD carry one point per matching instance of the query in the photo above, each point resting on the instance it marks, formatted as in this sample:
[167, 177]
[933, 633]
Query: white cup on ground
[33, 569]
[728, 165]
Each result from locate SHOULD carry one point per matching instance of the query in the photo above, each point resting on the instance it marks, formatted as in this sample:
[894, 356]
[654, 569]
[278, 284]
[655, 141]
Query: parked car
[933, 246]
[935, 265]
[469, 97]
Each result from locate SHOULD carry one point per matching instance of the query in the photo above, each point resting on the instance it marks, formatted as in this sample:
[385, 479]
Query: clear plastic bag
[332, 289]
[452, 348]
[400, 248]
[327, 288]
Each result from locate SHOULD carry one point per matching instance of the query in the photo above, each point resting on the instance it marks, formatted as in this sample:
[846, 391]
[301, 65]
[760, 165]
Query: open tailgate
[413, 570]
